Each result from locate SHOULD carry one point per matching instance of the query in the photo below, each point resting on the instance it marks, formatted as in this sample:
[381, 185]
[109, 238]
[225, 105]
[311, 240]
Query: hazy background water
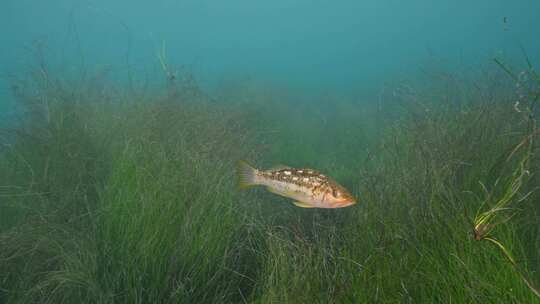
[343, 46]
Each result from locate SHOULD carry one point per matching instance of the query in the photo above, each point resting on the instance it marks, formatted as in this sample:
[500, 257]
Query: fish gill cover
[122, 124]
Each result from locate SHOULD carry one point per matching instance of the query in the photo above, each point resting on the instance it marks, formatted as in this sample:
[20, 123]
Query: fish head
[340, 197]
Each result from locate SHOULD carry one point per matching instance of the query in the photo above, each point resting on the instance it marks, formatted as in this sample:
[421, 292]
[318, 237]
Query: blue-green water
[349, 45]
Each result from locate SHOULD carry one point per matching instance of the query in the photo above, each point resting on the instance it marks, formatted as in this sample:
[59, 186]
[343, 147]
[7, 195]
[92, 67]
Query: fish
[307, 187]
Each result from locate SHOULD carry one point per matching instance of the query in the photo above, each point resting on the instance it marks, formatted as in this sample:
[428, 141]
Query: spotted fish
[307, 187]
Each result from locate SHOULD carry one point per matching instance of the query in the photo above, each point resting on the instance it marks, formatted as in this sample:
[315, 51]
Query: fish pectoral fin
[272, 190]
[302, 205]
[285, 194]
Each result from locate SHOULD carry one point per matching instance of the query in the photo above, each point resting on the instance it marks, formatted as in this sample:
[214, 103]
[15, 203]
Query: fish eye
[335, 193]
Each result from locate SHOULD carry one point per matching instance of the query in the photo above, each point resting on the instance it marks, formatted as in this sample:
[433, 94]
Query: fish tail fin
[246, 175]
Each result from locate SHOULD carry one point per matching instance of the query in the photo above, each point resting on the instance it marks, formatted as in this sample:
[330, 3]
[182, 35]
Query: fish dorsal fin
[303, 205]
[279, 167]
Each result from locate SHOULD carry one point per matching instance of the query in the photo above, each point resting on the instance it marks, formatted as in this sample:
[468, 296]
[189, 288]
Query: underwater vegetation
[114, 195]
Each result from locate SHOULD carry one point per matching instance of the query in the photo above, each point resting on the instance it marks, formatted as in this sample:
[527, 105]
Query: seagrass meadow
[110, 194]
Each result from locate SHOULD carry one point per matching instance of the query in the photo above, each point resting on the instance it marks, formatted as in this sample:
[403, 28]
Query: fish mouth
[346, 203]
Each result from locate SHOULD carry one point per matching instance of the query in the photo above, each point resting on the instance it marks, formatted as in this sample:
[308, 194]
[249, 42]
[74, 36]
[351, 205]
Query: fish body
[307, 187]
